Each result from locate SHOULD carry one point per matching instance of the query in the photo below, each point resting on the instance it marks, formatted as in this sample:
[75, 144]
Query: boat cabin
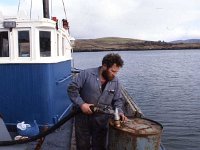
[28, 41]
[35, 70]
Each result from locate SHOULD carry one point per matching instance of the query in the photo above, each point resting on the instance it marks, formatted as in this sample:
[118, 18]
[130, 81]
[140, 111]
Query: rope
[43, 134]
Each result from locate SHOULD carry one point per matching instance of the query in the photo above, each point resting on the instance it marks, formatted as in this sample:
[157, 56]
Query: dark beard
[105, 75]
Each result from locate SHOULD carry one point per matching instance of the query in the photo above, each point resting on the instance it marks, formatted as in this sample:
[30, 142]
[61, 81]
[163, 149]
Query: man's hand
[86, 108]
[122, 117]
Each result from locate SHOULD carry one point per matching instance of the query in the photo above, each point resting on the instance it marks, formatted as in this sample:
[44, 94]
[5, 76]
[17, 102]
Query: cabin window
[24, 43]
[45, 43]
[4, 44]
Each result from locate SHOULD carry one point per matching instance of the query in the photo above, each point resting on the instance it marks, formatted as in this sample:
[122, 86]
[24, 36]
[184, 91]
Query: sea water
[166, 86]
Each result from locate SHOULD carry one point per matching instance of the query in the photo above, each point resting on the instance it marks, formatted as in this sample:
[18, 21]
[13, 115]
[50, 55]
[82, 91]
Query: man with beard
[96, 86]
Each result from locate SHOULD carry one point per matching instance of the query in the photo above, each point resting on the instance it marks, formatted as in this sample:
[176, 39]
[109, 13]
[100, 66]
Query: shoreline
[100, 50]
[123, 44]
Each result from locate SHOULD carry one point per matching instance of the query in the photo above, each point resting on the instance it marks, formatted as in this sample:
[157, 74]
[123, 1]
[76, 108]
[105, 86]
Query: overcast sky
[140, 19]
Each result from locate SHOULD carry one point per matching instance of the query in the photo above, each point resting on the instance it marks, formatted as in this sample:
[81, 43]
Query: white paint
[34, 27]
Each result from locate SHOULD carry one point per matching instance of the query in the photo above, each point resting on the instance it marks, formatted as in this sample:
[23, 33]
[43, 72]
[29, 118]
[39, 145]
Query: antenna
[31, 10]
[64, 9]
[51, 9]
[18, 7]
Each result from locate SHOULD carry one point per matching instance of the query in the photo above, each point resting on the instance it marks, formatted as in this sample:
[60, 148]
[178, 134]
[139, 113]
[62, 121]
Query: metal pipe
[46, 8]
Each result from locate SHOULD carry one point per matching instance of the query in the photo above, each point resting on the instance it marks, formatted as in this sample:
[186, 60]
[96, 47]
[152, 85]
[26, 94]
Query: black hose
[43, 134]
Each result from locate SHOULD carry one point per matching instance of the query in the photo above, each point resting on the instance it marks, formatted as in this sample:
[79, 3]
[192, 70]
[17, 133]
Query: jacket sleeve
[75, 87]
[118, 99]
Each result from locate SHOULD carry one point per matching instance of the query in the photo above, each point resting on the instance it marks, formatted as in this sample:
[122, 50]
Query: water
[166, 86]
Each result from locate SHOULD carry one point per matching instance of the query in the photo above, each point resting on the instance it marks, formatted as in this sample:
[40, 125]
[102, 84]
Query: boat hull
[34, 92]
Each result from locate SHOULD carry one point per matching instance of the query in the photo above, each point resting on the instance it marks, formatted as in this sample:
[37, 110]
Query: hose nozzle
[117, 118]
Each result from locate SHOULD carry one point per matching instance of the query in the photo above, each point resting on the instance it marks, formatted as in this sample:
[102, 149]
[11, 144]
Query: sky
[164, 20]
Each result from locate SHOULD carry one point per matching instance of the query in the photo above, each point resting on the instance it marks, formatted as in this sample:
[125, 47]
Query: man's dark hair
[110, 59]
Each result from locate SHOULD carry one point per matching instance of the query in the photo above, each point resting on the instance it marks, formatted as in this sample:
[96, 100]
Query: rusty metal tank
[135, 134]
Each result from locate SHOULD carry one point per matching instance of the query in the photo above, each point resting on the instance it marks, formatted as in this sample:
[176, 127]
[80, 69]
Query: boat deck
[57, 140]
[6, 136]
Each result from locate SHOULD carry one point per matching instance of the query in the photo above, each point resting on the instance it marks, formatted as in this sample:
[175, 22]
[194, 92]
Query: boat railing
[130, 108]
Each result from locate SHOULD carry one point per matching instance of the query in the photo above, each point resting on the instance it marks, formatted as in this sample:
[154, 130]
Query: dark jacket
[86, 88]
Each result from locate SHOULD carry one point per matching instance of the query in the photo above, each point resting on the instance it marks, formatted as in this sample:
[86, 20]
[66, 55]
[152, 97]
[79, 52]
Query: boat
[35, 70]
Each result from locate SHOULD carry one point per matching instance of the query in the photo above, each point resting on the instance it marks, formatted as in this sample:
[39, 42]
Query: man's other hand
[86, 108]
[123, 117]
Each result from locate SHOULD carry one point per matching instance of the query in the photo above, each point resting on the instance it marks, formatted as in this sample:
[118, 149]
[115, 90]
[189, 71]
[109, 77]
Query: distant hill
[128, 44]
[187, 41]
[117, 39]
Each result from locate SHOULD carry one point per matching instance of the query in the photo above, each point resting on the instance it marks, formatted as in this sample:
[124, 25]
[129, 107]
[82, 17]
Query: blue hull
[34, 92]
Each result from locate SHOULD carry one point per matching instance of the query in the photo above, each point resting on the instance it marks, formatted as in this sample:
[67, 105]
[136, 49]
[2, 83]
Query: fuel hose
[42, 134]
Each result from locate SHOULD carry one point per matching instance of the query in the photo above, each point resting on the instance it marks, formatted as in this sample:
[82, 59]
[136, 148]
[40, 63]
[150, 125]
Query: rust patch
[139, 127]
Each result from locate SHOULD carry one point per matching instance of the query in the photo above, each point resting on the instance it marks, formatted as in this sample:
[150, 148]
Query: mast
[46, 8]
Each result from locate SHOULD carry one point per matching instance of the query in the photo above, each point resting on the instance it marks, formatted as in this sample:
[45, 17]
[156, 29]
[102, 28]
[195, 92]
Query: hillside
[122, 44]
[187, 41]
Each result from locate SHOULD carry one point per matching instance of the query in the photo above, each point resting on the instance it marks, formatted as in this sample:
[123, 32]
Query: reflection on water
[166, 86]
